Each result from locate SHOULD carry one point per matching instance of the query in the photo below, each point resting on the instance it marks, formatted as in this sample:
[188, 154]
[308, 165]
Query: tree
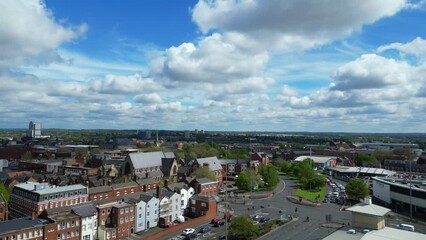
[243, 181]
[362, 159]
[357, 189]
[285, 166]
[243, 228]
[204, 172]
[269, 175]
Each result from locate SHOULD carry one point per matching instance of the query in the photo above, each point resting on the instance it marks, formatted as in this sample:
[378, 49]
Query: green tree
[269, 175]
[153, 149]
[357, 189]
[243, 228]
[27, 156]
[81, 152]
[362, 159]
[243, 181]
[204, 172]
[285, 166]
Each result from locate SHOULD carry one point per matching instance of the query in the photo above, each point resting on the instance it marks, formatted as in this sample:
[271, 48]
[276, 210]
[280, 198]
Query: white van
[405, 227]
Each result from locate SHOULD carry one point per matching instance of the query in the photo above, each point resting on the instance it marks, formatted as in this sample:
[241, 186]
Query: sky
[235, 65]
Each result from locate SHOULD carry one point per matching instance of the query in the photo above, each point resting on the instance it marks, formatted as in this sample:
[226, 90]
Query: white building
[89, 217]
[170, 206]
[34, 130]
[146, 213]
[185, 191]
[319, 161]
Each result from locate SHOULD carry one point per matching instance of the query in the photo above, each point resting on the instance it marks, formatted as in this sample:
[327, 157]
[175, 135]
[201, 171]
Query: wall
[367, 221]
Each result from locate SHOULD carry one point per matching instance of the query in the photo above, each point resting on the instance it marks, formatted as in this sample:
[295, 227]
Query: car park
[188, 231]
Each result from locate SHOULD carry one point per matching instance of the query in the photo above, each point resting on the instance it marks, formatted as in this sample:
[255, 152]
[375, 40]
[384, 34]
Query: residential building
[125, 188]
[169, 205]
[234, 166]
[102, 192]
[89, 220]
[4, 212]
[185, 191]
[213, 164]
[118, 223]
[261, 157]
[23, 228]
[146, 211]
[205, 187]
[31, 198]
[201, 205]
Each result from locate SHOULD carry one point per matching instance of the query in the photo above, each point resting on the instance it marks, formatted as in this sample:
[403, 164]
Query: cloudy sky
[256, 65]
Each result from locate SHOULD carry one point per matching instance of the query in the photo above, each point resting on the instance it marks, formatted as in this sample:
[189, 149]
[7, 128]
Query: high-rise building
[34, 130]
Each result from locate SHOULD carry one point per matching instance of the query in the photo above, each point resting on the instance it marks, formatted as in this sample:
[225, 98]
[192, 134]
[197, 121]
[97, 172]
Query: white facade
[170, 207]
[89, 227]
[185, 194]
[151, 213]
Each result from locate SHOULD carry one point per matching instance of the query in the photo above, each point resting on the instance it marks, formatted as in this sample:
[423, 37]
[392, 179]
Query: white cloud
[415, 47]
[118, 84]
[28, 29]
[294, 23]
[149, 98]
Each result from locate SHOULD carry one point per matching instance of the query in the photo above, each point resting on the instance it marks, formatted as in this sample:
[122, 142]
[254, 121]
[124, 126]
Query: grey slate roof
[85, 209]
[205, 180]
[213, 163]
[20, 224]
[124, 185]
[184, 170]
[156, 173]
[101, 189]
[148, 159]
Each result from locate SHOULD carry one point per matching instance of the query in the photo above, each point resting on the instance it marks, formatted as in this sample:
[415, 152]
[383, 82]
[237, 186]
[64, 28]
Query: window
[127, 210]
[203, 204]
[121, 220]
[59, 236]
[109, 210]
[131, 209]
[103, 212]
[140, 215]
[121, 211]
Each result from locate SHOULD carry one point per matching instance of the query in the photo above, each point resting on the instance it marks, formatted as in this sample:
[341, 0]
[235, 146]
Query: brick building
[31, 198]
[205, 187]
[24, 228]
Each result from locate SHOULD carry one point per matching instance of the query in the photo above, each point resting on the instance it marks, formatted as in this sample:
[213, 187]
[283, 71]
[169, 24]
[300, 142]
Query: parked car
[219, 223]
[190, 236]
[256, 217]
[204, 229]
[265, 219]
[188, 231]
[214, 220]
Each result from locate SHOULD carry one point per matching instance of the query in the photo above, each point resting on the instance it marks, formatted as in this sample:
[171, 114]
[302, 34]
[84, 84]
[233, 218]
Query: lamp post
[226, 194]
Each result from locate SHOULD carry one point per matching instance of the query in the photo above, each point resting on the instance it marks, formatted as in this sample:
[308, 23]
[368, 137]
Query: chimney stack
[158, 192]
[368, 201]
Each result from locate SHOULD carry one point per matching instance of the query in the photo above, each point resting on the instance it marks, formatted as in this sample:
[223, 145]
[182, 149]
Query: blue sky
[254, 65]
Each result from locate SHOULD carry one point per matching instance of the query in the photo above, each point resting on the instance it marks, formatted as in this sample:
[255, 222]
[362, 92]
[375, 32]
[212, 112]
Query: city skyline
[280, 66]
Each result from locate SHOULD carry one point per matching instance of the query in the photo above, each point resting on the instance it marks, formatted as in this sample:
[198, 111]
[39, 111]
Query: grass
[311, 195]
[4, 193]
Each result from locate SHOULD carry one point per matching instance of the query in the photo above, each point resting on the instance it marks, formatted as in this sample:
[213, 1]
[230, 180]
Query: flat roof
[316, 159]
[386, 233]
[45, 188]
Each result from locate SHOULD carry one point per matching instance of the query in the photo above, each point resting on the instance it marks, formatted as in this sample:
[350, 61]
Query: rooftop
[20, 224]
[45, 188]
[386, 233]
[368, 208]
[316, 159]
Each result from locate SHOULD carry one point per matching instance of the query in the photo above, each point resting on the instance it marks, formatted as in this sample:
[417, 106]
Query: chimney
[87, 183]
[104, 182]
[109, 182]
[158, 192]
[33, 215]
[146, 175]
[125, 179]
[367, 201]
[144, 188]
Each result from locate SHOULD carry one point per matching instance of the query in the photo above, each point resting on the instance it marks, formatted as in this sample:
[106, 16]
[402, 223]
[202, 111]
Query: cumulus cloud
[371, 71]
[149, 98]
[28, 29]
[119, 84]
[295, 23]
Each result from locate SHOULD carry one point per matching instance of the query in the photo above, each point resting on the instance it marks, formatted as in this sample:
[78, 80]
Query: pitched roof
[212, 162]
[205, 180]
[369, 209]
[184, 169]
[124, 185]
[101, 189]
[84, 210]
[20, 224]
[166, 165]
[148, 159]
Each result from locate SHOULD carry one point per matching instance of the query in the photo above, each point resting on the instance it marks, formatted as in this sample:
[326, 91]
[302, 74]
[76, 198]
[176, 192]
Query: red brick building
[205, 187]
[261, 157]
[24, 228]
[117, 220]
[31, 198]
